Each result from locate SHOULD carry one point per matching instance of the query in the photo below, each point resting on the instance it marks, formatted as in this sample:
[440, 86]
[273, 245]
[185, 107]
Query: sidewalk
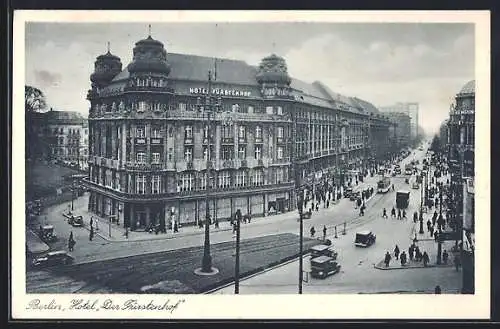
[426, 244]
[80, 207]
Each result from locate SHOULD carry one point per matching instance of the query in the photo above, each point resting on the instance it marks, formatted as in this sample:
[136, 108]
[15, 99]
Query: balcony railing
[242, 140]
[156, 140]
[188, 141]
[192, 193]
[227, 140]
[140, 140]
[258, 140]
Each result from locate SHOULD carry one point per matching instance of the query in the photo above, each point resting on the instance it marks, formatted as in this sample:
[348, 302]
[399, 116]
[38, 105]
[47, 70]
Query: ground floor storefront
[188, 211]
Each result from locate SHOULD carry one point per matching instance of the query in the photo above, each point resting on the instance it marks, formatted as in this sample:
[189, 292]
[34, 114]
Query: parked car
[47, 233]
[364, 239]
[323, 266]
[323, 250]
[76, 221]
[60, 257]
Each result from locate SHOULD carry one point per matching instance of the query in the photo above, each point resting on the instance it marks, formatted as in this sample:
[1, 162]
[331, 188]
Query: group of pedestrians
[414, 254]
[401, 214]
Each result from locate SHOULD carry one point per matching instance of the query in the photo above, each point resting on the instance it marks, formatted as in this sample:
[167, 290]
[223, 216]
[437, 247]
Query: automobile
[402, 199]
[47, 233]
[76, 221]
[323, 266]
[397, 171]
[364, 239]
[347, 192]
[323, 250]
[353, 196]
[59, 257]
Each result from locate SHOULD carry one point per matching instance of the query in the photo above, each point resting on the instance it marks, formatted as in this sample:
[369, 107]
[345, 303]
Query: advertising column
[468, 237]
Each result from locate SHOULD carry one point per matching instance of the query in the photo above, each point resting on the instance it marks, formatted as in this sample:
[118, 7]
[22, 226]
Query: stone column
[123, 156]
[114, 142]
[148, 143]
[103, 140]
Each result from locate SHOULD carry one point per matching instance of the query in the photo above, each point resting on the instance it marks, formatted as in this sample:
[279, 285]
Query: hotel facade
[149, 140]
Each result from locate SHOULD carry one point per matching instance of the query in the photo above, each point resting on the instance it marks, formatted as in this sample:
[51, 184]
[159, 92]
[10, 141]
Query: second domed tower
[106, 67]
[149, 57]
[273, 76]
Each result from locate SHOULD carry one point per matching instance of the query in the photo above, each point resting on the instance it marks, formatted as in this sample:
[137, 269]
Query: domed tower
[106, 67]
[149, 57]
[273, 76]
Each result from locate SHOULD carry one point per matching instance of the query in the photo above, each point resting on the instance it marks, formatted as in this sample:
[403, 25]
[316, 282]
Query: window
[203, 181]
[142, 106]
[155, 158]
[140, 132]
[170, 132]
[269, 109]
[227, 132]
[279, 176]
[188, 154]
[141, 157]
[186, 182]
[258, 178]
[258, 152]
[170, 154]
[188, 132]
[205, 132]
[279, 150]
[224, 179]
[242, 152]
[280, 132]
[227, 152]
[258, 132]
[241, 132]
[155, 185]
[236, 108]
[280, 110]
[140, 184]
[155, 132]
[182, 106]
[241, 179]
[250, 109]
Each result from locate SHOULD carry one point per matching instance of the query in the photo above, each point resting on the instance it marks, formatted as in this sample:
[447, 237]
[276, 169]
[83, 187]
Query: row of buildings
[150, 143]
[407, 113]
[458, 133]
[62, 136]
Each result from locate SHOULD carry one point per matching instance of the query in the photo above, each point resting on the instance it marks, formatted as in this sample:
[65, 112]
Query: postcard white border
[339, 306]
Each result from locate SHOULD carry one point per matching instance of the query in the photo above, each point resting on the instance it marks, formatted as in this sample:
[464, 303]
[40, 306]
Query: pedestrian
[216, 223]
[200, 223]
[429, 225]
[410, 252]
[404, 214]
[176, 227]
[328, 203]
[445, 257]
[126, 232]
[324, 232]
[234, 227]
[387, 259]
[415, 217]
[425, 258]
[403, 258]
[417, 254]
[393, 212]
[91, 221]
[393, 187]
[456, 261]
[399, 213]
[384, 213]
[71, 241]
[396, 252]
[313, 231]
[437, 290]
[431, 231]
[317, 206]
[91, 234]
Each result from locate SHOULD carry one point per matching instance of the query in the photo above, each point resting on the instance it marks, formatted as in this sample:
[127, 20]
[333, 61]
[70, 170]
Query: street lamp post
[301, 243]
[237, 260]
[421, 219]
[210, 109]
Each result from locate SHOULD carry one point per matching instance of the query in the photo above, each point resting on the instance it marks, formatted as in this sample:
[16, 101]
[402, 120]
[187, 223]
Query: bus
[384, 185]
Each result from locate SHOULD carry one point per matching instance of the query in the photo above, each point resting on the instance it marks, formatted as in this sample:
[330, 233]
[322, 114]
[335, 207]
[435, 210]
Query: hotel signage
[221, 92]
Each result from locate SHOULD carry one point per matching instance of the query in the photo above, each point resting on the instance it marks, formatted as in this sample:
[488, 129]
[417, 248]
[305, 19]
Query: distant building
[65, 136]
[443, 135]
[411, 109]
[461, 128]
[402, 130]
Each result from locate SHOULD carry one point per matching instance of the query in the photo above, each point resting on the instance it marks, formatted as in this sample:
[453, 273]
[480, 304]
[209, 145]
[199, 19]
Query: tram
[384, 185]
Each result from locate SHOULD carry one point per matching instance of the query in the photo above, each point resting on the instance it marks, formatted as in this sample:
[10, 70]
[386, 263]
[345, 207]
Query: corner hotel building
[148, 140]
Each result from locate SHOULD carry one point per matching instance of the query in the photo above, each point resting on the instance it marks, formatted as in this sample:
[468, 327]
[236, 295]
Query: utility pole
[237, 261]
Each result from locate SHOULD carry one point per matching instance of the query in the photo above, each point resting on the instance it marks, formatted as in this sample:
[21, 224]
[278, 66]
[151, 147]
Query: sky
[382, 63]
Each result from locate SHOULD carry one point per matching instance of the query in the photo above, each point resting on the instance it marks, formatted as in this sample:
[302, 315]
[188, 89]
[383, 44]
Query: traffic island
[157, 272]
[395, 265]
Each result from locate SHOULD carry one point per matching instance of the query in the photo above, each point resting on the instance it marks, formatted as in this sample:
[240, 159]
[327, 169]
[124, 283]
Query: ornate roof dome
[468, 88]
[273, 69]
[106, 67]
[149, 56]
